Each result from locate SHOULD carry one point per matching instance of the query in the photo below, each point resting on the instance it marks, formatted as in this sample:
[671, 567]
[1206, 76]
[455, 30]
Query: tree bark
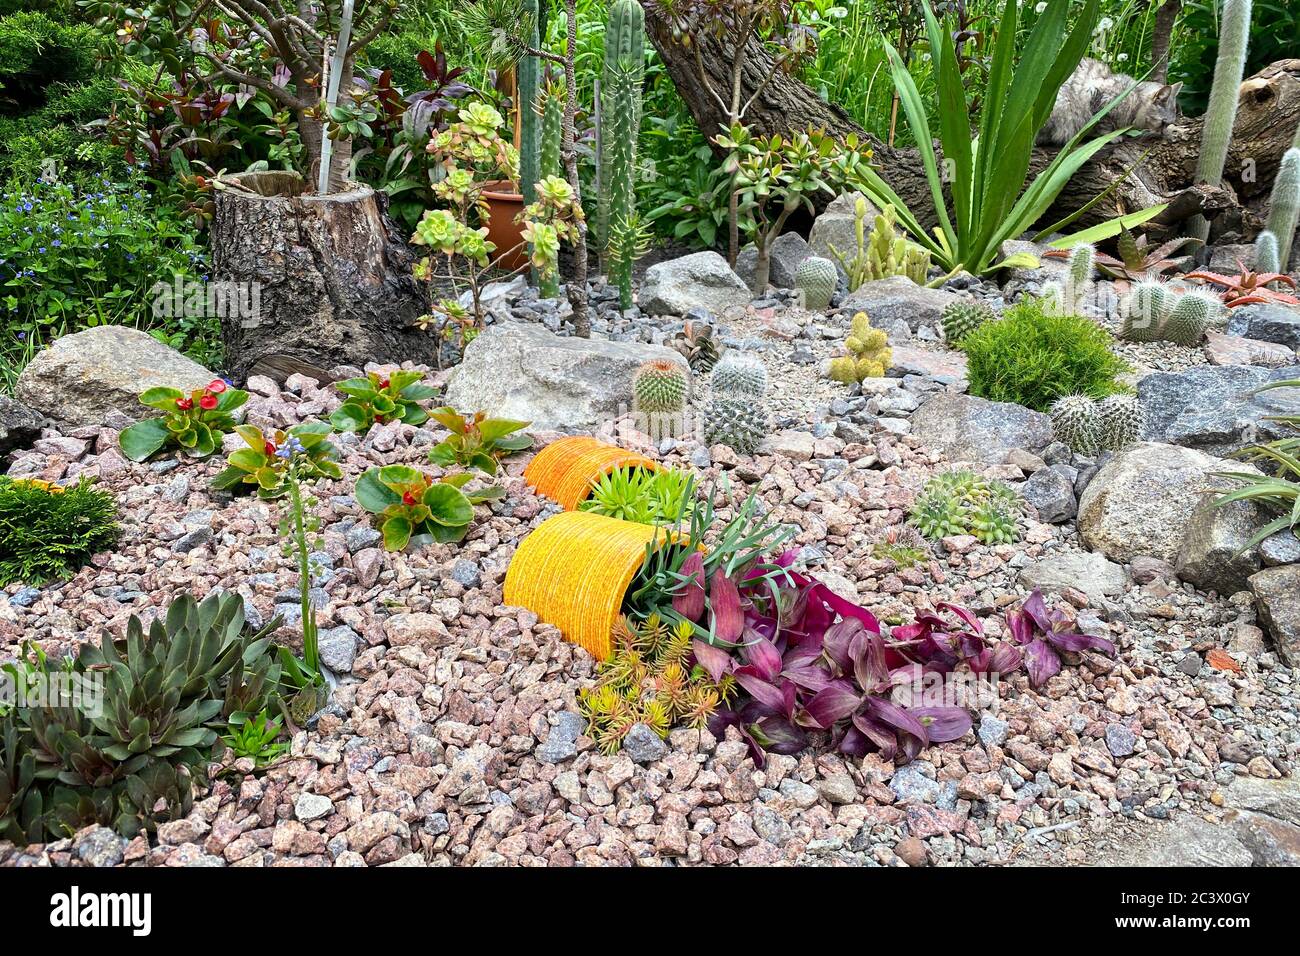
[1161, 34]
[332, 282]
[1268, 114]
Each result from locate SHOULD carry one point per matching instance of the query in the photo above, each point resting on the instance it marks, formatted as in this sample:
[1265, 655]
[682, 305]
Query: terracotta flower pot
[574, 570]
[565, 469]
[504, 206]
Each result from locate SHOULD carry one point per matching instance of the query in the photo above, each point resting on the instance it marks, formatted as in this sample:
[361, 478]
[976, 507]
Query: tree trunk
[332, 285]
[1161, 34]
[1266, 120]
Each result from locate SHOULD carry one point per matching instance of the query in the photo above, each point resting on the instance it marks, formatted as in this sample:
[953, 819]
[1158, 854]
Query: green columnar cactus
[1123, 421]
[1192, 314]
[737, 422]
[1081, 263]
[869, 353]
[659, 385]
[1266, 252]
[551, 103]
[1077, 422]
[963, 317]
[530, 138]
[1221, 111]
[883, 253]
[620, 117]
[816, 278]
[1284, 205]
[738, 373]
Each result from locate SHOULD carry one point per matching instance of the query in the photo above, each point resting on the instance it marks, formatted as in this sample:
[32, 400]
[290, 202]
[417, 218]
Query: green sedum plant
[256, 738]
[194, 423]
[1034, 356]
[961, 502]
[48, 532]
[477, 441]
[394, 397]
[641, 495]
[409, 504]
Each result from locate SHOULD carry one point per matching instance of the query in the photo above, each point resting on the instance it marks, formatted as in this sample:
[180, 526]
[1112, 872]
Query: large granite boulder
[1143, 502]
[1214, 555]
[970, 429]
[1083, 570]
[1267, 323]
[1218, 410]
[900, 299]
[1277, 598]
[19, 425]
[702, 280]
[520, 370]
[788, 251]
[82, 378]
[837, 227]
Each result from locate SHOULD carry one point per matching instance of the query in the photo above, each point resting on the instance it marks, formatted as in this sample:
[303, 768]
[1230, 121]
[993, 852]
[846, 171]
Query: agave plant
[1249, 287]
[1137, 260]
[1278, 490]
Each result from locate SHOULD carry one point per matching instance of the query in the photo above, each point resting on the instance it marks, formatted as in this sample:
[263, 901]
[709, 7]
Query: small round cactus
[1077, 422]
[738, 373]
[817, 279]
[1145, 311]
[1123, 421]
[738, 423]
[963, 317]
[869, 353]
[660, 386]
[1193, 312]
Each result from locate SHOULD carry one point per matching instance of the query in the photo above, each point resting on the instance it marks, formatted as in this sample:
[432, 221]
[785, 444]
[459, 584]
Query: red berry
[208, 402]
[268, 448]
[216, 386]
[184, 404]
[408, 498]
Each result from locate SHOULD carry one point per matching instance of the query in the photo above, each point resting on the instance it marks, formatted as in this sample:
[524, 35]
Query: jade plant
[394, 397]
[193, 422]
[477, 441]
[409, 504]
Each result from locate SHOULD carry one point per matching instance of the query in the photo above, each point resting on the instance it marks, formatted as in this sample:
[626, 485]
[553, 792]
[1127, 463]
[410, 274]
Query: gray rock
[19, 425]
[338, 648]
[465, 573]
[912, 786]
[1120, 741]
[898, 298]
[788, 251]
[25, 597]
[1214, 556]
[798, 793]
[1088, 572]
[100, 846]
[1217, 409]
[523, 371]
[837, 227]
[1280, 548]
[561, 743]
[1192, 841]
[1277, 598]
[361, 536]
[194, 539]
[992, 731]
[1277, 798]
[970, 429]
[82, 378]
[1047, 270]
[643, 745]
[1267, 323]
[312, 806]
[1051, 492]
[1271, 842]
[702, 280]
[1142, 501]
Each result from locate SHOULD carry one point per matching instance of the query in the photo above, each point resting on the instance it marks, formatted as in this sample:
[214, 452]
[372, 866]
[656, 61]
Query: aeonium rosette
[269, 460]
[193, 422]
[394, 397]
[409, 504]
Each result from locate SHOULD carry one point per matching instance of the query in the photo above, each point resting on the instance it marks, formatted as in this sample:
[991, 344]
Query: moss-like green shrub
[48, 532]
[1032, 357]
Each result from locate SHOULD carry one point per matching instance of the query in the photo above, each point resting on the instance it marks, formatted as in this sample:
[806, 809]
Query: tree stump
[332, 281]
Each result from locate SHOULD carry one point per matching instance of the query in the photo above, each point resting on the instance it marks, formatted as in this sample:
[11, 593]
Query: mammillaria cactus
[738, 373]
[659, 386]
[963, 317]
[883, 253]
[1221, 111]
[1123, 421]
[816, 278]
[1192, 314]
[1154, 312]
[1145, 311]
[1076, 421]
[869, 353]
[739, 423]
[1284, 207]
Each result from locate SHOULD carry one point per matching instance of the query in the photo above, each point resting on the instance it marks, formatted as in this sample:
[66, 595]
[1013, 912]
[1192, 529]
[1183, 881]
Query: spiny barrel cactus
[883, 253]
[1076, 421]
[739, 423]
[660, 386]
[1123, 421]
[739, 374]
[1146, 310]
[816, 278]
[963, 317]
[1284, 205]
[869, 353]
[1192, 314]
[1221, 111]
[1266, 252]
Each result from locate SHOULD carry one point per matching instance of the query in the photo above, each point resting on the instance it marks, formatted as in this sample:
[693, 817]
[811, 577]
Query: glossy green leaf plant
[193, 422]
[265, 464]
[477, 441]
[410, 504]
[378, 398]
